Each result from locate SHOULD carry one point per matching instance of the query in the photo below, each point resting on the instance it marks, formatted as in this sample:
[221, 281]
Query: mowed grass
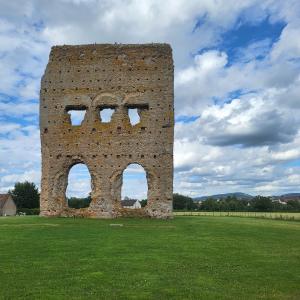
[184, 258]
[267, 215]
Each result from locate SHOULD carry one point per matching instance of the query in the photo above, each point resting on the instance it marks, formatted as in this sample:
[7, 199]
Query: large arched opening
[78, 192]
[134, 191]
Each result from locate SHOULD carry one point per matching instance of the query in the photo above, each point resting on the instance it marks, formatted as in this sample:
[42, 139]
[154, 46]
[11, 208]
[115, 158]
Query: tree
[261, 203]
[210, 204]
[25, 195]
[232, 203]
[143, 202]
[74, 202]
[181, 202]
[293, 205]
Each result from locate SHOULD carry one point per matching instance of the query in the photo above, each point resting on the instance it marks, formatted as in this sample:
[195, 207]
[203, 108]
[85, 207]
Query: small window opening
[134, 112]
[77, 114]
[133, 116]
[106, 114]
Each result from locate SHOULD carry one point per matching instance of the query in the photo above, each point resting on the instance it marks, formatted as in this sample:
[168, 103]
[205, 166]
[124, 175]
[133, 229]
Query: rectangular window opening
[77, 114]
[106, 113]
[134, 112]
[134, 116]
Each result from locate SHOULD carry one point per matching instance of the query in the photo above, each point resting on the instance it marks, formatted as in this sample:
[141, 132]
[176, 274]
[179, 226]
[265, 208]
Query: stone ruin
[92, 78]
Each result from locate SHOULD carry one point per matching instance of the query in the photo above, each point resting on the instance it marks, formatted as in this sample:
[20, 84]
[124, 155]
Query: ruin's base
[121, 213]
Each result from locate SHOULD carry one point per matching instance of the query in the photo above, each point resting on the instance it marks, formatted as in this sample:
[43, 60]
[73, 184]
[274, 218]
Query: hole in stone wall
[134, 188]
[133, 116]
[106, 114]
[134, 112]
[77, 116]
[76, 113]
[78, 193]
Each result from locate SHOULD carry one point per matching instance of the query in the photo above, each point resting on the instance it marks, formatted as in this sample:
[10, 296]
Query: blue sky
[262, 33]
[237, 86]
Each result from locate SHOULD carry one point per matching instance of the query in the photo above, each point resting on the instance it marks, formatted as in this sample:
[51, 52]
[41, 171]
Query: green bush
[29, 211]
[25, 195]
[74, 202]
[181, 202]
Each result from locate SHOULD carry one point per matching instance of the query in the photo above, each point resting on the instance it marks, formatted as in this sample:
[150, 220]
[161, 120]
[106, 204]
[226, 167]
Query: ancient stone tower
[92, 78]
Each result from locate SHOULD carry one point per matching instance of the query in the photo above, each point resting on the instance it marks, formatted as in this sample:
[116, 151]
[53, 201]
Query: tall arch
[79, 186]
[116, 182]
[134, 187]
[60, 182]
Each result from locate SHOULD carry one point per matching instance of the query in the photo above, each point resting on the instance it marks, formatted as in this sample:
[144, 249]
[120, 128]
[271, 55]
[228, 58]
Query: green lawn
[184, 258]
[265, 215]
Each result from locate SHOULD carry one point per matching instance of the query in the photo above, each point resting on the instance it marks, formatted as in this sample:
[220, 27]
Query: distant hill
[291, 195]
[246, 197]
[240, 196]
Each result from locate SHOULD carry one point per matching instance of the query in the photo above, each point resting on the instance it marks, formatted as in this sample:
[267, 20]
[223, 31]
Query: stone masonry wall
[92, 78]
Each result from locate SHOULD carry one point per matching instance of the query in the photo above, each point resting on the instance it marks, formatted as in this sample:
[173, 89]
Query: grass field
[184, 258]
[265, 215]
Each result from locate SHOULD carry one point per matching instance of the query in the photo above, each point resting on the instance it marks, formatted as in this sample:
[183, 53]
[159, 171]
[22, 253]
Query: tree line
[27, 199]
[232, 203]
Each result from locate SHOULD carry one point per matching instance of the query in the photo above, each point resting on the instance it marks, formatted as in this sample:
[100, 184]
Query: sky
[237, 86]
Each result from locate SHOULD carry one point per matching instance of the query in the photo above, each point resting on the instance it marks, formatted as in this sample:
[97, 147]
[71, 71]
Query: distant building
[282, 202]
[7, 205]
[287, 198]
[278, 200]
[284, 199]
[131, 203]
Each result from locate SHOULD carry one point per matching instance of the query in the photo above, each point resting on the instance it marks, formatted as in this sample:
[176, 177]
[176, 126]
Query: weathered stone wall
[94, 77]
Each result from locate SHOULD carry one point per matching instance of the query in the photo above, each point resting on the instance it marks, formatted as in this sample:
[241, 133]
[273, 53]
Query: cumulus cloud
[246, 136]
[19, 109]
[286, 155]
[247, 123]
[287, 46]
[207, 169]
[19, 155]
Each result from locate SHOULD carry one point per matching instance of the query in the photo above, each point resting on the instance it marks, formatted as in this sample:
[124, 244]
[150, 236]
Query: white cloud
[32, 176]
[286, 155]
[8, 127]
[265, 79]
[288, 46]
[18, 109]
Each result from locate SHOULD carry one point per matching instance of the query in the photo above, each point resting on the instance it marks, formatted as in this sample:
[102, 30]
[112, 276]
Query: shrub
[29, 211]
